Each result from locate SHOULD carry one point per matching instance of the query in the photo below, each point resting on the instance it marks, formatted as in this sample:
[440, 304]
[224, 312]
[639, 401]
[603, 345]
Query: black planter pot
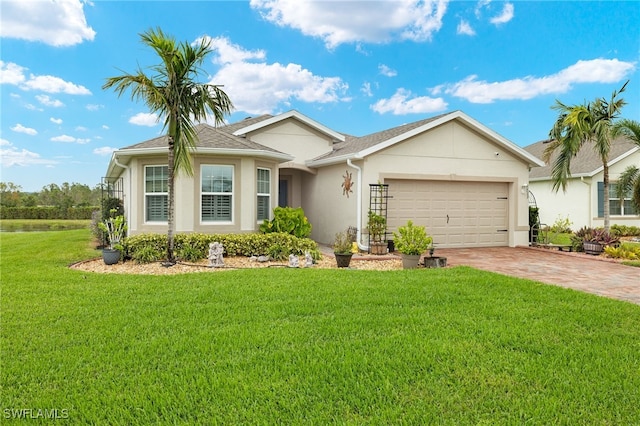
[110, 256]
[343, 260]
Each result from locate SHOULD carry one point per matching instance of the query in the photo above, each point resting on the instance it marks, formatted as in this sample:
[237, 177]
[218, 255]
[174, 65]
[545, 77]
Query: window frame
[230, 194]
[614, 202]
[148, 194]
[266, 195]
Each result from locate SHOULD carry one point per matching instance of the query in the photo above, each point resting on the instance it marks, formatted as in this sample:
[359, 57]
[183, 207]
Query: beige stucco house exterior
[582, 202]
[464, 182]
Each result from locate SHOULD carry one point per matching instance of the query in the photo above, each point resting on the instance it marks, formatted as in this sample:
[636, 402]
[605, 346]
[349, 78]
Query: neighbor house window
[264, 193]
[155, 193]
[217, 193]
[616, 207]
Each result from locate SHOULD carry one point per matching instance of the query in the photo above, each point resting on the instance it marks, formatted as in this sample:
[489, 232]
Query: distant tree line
[66, 201]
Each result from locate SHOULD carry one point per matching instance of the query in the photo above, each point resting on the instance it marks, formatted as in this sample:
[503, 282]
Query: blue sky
[355, 66]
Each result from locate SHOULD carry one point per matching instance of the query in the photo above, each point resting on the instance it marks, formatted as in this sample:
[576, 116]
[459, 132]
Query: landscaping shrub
[195, 246]
[49, 212]
[561, 225]
[625, 231]
[627, 251]
[288, 220]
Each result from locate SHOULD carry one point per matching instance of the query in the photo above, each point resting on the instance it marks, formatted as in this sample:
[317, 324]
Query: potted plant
[595, 240]
[114, 227]
[411, 240]
[342, 249]
[377, 230]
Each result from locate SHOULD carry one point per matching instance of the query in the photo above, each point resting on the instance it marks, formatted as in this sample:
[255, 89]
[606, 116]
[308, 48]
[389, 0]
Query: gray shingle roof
[211, 137]
[353, 144]
[585, 163]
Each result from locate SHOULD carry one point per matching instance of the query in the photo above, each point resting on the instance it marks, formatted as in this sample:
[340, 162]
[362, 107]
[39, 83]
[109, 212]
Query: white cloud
[94, 107]
[70, 139]
[505, 16]
[257, 87]
[57, 23]
[81, 129]
[403, 102]
[591, 71]
[12, 156]
[104, 150]
[11, 73]
[353, 21]
[105, 127]
[47, 101]
[14, 74]
[366, 89]
[464, 28]
[56, 120]
[386, 71]
[51, 84]
[19, 128]
[144, 119]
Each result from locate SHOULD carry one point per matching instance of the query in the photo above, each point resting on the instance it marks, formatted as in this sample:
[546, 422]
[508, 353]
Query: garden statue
[215, 255]
[308, 259]
[294, 262]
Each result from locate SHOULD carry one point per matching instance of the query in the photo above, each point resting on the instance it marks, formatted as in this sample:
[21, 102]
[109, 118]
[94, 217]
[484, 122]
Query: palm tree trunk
[605, 178]
[171, 203]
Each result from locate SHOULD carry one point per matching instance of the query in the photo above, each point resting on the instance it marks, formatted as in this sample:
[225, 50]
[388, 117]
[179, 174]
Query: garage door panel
[456, 214]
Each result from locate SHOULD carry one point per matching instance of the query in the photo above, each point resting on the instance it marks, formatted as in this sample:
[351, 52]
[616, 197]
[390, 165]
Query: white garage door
[456, 214]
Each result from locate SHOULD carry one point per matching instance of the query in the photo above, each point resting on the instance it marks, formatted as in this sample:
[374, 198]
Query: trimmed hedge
[146, 248]
[41, 212]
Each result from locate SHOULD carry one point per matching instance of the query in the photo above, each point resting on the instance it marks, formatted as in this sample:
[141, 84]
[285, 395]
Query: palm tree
[174, 95]
[629, 179]
[590, 123]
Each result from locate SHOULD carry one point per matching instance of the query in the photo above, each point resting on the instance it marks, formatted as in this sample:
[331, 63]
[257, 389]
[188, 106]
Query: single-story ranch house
[583, 201]
[450, 173]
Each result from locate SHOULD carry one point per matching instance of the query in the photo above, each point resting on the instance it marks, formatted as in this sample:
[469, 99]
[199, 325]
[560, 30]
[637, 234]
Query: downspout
[358, 206]
[127, 206]
[589, 211]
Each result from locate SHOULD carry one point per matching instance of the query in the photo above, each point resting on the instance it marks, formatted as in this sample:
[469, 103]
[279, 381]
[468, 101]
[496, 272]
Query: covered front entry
[455, 213]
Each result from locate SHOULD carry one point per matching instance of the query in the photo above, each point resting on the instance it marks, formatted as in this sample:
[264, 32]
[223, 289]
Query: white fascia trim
[332, 160]
[615, 160]
[280, 156]
[549, 178]
[510, 146]
[291, 114]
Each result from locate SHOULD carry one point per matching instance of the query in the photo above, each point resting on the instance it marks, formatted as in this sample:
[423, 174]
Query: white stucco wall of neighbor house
[574, 204]
[579, 203]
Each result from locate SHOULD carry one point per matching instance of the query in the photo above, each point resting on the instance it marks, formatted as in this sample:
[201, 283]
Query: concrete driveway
[571, 270]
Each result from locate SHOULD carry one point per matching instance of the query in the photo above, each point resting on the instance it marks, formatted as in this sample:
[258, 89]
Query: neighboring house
[583, 201]
[460, 179]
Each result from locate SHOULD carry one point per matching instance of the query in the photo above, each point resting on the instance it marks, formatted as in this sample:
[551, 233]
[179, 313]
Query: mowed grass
[453, 346]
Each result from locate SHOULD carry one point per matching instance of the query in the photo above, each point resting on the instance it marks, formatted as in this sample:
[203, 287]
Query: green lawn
[453, 346]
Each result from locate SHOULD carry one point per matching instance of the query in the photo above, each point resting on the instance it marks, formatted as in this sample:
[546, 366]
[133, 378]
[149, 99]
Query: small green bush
[188, 253]
[288, 220]
[147, 254]
[624, 251]
[625, 231]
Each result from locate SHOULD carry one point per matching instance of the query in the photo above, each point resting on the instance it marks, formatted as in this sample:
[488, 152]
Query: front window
[616, 208]
[217, 193]
[156, 193]
[264, 193]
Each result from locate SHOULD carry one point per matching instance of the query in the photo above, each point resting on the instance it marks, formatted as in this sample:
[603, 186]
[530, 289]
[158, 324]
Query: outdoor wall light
[524, 189]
